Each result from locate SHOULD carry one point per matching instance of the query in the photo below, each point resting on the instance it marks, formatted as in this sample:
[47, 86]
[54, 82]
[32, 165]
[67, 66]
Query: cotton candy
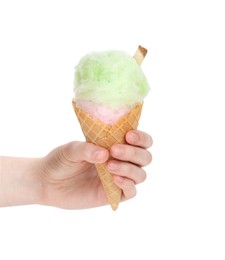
[110, 79]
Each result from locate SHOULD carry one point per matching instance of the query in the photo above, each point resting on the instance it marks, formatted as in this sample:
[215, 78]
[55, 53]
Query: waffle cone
[104, 135]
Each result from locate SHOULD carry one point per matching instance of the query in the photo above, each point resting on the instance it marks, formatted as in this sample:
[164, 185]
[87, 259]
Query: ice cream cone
[106, 85]
[105, 136]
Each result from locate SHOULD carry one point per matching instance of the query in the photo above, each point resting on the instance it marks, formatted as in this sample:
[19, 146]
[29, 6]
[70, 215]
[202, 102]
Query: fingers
[128, 160]
[83, 151]
[136, 150]
[132, 154]
[127, 170]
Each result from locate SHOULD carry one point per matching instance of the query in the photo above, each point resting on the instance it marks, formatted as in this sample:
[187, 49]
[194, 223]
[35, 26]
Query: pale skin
[67, 178]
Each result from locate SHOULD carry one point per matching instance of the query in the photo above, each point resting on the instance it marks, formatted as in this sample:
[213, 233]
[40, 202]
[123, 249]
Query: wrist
[19, 181]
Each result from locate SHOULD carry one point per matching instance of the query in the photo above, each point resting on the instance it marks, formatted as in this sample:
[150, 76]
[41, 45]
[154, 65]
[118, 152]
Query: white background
[179, 212]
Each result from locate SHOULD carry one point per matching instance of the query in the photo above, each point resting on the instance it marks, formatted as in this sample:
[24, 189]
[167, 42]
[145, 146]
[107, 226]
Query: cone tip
[114, 206]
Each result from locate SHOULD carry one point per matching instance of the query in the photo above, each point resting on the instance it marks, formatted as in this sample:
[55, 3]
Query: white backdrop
[179, 211]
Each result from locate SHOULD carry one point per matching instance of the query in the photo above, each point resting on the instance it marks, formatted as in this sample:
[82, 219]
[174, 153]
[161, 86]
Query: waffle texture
[104, 135]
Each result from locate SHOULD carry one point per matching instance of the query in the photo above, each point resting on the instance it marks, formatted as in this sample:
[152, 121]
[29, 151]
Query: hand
[70, 180]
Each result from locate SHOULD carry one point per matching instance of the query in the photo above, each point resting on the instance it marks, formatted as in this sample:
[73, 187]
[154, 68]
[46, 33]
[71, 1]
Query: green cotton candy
[110, 78]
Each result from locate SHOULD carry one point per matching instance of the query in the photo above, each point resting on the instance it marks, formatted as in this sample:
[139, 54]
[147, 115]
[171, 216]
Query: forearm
[19, 181]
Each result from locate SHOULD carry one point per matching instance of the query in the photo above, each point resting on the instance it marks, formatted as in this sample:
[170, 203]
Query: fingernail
[133, 137]
[99, 155]
[112, 166]
[117, 151]
[119, 179]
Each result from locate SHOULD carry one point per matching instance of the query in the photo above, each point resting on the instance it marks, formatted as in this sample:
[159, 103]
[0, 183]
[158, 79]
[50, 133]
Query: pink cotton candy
[104, 114]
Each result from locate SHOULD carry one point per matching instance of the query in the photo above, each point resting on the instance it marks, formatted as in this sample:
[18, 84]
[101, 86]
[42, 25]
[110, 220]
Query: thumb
[83, 151]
